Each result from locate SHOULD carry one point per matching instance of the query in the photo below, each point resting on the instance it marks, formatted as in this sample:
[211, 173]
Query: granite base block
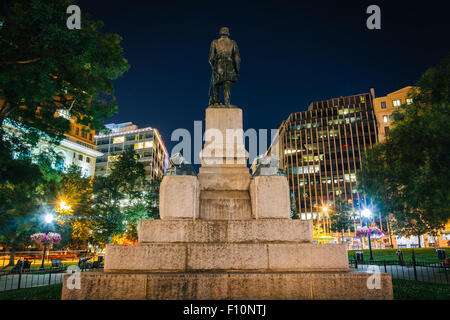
[228, 286]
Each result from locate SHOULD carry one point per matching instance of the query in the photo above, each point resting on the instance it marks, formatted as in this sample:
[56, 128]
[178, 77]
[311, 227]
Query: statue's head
[224, 31]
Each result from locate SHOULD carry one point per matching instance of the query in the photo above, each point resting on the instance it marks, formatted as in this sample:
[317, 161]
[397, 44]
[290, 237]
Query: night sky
[293, 52]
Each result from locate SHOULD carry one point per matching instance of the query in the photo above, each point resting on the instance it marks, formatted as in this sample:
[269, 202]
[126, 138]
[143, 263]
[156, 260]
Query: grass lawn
[46, 265]
[416, 290]
[51, 292]
[426, 255]
[403, 290]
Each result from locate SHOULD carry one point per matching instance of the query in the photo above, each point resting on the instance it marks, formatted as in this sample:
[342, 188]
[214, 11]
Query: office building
[385, 106]
[147, 143]
[320, 150]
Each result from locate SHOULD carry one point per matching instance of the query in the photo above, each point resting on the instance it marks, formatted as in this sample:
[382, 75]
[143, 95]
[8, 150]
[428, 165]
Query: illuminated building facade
[77, 148]
[320, 150]
[147, 143]
[385, 106]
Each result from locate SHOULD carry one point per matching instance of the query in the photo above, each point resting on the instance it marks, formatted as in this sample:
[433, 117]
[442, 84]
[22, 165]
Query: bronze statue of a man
[225, 62]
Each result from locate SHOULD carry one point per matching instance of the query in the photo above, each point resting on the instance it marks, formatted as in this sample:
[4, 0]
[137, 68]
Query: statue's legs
[216, 93]
[226, 92]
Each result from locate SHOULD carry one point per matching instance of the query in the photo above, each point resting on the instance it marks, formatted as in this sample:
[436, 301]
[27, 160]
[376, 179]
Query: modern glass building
[320, 150]
[147, 143]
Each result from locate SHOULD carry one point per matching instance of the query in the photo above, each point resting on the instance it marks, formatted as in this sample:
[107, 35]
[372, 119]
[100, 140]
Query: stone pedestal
[225, 205]
[223, 176]
[228, 286]
[179, 197]
[224, 138]
[270, 197]
[225, 235]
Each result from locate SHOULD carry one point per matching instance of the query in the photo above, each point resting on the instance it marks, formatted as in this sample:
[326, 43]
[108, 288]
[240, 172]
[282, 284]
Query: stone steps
[182, 257]
[98, 285]
[225, 231]
[225, 205]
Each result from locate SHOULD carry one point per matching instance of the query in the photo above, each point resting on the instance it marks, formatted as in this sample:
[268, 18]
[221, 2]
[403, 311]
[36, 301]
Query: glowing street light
[366, 213]
[325, 209]
[48, 218]
[64, 206]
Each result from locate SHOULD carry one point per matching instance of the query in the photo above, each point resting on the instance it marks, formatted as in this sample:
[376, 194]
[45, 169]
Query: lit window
[350, 177]
[383, 104]
[113, 158]
[119, 139]
[396, 103]
[409, 101]
[385, 118]
[139, 145]
[363, 99]
[148, 144]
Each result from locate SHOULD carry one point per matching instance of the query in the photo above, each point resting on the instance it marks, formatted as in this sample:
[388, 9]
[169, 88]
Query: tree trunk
[389, 231]
[12, 255]
[418, 238]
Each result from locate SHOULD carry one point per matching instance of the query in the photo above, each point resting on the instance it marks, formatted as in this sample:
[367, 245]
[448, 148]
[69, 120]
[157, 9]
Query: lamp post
[366, 213]
[325, 218]
[48, 219]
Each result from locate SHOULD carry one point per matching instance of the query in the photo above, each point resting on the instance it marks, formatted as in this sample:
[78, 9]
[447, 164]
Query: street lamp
[48, 218]
[64, 206]
[325, 216]
[367, 214]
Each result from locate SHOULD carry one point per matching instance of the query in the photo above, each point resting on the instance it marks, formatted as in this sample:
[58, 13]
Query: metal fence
[35, 277]
[408, 270]
[36, 256]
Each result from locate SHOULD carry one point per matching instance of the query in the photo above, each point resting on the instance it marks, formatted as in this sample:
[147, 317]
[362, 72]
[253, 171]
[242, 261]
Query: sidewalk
[425, 274]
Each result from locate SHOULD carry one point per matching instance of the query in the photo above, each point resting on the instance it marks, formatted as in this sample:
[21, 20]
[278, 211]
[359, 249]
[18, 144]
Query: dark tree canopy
[341, 216]
[118, 200]
[46, 66]
[408, 175]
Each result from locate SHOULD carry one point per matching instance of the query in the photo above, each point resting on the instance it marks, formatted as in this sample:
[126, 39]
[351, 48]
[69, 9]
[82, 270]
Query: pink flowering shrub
[374, 232]
[49, 238]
